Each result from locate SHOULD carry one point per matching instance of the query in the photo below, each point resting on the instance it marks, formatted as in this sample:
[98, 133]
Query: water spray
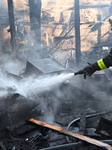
[36, 84]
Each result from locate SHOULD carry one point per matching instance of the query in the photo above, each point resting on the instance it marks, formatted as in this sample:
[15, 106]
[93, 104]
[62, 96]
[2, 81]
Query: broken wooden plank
[76, 135]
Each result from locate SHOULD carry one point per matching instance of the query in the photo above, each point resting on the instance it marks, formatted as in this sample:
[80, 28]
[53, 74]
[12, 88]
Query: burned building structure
[43, 105]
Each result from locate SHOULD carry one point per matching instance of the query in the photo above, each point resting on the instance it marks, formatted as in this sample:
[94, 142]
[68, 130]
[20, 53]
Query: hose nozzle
[79, 72]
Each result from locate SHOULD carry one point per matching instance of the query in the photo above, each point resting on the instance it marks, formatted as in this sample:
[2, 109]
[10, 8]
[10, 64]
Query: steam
[35, 86]
[32, 86]
[43, 83]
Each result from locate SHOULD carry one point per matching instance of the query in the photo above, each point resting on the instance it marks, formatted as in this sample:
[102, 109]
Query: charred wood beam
[57, 38]
[99, 30]
[69, 133]
[11, 23]
[77, 31]
[95, 6]
[35, 20]
[91, 6]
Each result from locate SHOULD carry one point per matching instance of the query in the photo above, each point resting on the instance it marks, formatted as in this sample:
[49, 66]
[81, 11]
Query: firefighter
[22, 42]
[100, 64]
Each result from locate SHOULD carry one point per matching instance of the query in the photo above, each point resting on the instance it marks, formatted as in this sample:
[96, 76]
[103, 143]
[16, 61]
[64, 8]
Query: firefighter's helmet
[20, 24]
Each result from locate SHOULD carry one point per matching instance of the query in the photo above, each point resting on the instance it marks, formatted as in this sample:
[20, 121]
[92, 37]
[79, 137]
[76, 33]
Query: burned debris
[88, 130]
[43, 106]
[34, 134]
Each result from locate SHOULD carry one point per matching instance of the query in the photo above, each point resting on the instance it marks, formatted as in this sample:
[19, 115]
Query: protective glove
[88, 70]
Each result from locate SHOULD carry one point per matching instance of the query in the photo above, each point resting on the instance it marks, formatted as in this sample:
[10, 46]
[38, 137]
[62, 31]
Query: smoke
[32, 84]
[43, 83]
[13, 66]
[47, 91]
[35, 88]
[3, 9]
[99, 87]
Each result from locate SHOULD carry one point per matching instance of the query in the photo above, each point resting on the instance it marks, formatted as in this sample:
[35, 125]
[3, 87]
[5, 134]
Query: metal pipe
[71, 145]
[62, 147]
[88, 116]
